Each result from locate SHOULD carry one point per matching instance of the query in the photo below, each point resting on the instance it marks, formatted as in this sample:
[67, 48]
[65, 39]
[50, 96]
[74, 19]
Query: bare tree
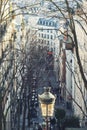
[73, 17]
[67, 14]
[9, 66]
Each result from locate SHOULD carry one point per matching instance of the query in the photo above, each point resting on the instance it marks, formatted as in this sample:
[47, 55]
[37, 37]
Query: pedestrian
[39, 127]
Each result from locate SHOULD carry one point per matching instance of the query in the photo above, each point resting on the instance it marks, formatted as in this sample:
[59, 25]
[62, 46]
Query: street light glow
[47, 102]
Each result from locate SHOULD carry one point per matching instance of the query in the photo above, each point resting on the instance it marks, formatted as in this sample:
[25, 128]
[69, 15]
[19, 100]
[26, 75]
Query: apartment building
[47, 36]
[80, 93]
[8, 61]
[71, 79]
[66, 66]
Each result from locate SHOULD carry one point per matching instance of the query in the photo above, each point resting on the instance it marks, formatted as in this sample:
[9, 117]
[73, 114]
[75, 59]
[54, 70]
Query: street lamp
[47, 102]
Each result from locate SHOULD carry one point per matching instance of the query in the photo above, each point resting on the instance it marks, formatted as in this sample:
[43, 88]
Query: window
[43, 22]
[51, 36]
[48, 31]
[42, 35]
[47, 36]
[52, 49]
[40, 22]
[46, 23]
[49, 23]
[47, 42]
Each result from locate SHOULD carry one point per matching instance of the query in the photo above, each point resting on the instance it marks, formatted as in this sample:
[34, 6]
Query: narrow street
[43, 66]
[27, 115]
[41, 77]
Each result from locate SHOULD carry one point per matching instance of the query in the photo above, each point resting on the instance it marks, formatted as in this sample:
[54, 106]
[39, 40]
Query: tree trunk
[1, 111]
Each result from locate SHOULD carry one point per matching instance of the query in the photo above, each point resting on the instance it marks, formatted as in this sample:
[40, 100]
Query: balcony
[69, 46]
[68, 43]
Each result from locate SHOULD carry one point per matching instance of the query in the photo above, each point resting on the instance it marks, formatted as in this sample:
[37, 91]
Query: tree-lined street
[30, 113]
[43, 44]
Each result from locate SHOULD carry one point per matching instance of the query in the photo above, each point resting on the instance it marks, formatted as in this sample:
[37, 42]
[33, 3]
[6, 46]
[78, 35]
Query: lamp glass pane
[50, 109]
[47, 110]
[43, 109]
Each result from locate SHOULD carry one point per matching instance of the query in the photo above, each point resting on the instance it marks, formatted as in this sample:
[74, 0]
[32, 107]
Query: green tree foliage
[60, 114]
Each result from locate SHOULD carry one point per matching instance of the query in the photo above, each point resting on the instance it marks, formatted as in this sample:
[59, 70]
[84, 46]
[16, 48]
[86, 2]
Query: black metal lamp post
[47, 102]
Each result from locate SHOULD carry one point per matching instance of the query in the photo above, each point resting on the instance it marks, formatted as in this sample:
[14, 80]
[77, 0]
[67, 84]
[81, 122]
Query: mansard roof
[47, 22]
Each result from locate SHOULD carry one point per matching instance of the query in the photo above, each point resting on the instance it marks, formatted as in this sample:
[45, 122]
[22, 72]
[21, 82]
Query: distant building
[47, 36]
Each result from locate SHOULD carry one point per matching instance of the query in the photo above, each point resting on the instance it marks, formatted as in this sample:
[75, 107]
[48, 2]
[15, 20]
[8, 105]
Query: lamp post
[47, 102]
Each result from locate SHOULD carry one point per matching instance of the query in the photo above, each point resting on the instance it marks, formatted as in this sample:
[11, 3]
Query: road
[42, 76]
